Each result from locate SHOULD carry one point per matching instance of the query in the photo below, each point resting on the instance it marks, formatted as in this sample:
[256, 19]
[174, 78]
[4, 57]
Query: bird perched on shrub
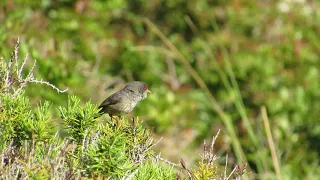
[125, 100]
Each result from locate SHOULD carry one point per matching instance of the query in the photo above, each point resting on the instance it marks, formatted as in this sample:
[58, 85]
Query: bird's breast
[130, 106]
[131, 102]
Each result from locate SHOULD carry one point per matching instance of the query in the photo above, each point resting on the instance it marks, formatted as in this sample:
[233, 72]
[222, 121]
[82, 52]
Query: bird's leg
[133, 122]
[114, 118]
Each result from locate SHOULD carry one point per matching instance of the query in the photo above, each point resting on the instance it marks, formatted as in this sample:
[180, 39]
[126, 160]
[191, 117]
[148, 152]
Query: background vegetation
[210, 64]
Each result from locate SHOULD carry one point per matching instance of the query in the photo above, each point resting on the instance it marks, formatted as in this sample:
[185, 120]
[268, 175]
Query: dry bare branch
[13, 82]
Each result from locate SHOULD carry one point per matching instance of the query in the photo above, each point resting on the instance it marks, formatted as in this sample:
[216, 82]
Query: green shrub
[79, 120]
[155, 171]
[18, 122]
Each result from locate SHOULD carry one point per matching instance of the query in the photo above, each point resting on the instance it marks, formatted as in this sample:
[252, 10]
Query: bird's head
[139, 88]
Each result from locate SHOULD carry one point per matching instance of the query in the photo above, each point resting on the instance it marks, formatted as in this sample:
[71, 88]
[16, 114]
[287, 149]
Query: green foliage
[248, 53]
[79, 120]
[205, 171]
[114, 151]
[98, 150]
[19, 123]
[110, 154]
[154, 170]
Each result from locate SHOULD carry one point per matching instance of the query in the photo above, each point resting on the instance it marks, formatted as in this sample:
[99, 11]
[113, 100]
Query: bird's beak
[148, 91]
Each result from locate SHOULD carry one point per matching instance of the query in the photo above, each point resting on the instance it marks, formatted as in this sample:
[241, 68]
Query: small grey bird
[125, 100]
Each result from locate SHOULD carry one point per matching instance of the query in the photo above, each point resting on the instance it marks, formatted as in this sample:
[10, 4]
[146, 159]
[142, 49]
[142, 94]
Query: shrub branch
[13, 82]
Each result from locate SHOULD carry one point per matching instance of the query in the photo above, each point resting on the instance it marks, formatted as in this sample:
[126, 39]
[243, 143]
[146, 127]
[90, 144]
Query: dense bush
[211, 65]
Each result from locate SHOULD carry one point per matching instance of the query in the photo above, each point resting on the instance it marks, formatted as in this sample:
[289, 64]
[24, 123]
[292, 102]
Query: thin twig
[154, 144]
[48, 84]
[214, 141]
[158, 157]
[22, 66]
[191, 24]
[13, 80]
[234, 169]
[16, 53]
[225, 168]
[183, 164]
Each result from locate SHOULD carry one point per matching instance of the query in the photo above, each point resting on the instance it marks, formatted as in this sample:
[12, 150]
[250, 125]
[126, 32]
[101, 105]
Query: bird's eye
[145, 87]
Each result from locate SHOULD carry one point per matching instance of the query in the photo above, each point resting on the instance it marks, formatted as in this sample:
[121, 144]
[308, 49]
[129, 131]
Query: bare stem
[270, 142]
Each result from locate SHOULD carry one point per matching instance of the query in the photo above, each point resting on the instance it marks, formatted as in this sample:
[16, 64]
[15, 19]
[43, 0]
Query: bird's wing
[113, 99]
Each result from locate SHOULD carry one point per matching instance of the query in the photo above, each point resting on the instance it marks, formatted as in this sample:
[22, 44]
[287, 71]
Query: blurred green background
[247, 53]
